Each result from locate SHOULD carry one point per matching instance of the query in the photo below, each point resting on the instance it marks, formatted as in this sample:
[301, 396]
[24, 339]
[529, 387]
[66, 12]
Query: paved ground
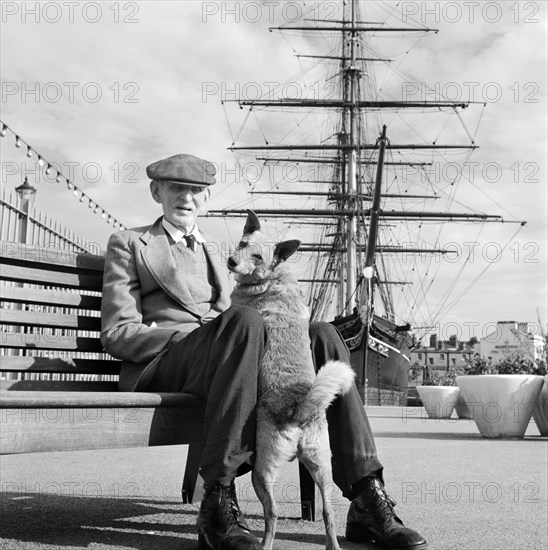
[463, 492]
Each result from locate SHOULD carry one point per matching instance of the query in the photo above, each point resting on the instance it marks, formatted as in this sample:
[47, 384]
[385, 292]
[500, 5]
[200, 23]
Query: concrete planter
[439, 401]
[501, 404]
[540, 414]
[462, 409]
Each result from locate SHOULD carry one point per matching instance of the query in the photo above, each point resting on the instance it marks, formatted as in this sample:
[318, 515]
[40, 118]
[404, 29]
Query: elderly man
[166, 314]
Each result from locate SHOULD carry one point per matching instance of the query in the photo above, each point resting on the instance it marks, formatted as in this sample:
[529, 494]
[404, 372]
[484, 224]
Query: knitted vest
[197, 273]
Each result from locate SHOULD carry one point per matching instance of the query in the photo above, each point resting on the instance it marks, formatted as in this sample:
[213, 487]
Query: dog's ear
[286, 249]
[252, 223]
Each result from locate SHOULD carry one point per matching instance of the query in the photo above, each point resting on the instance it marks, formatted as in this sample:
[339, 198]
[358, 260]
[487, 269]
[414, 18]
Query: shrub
[511, 364]
[448, 378]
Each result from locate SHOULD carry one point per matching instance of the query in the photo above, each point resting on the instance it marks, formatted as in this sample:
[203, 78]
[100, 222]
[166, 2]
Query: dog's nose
[231, 262]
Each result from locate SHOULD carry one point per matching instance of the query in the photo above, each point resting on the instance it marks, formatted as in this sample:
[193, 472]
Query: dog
[292, 400]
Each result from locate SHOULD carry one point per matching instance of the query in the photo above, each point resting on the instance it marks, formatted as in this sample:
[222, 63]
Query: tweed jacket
[146, 305]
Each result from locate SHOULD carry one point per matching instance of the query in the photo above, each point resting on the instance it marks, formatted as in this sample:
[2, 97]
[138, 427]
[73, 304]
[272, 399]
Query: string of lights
[49, 168]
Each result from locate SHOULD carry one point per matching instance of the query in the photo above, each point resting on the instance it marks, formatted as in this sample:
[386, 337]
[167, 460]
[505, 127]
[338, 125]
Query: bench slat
[59, 364]
[85, 400]
[50, 342]
[50, 320]
[62, 429]
[24, 274]
[52, 257]
[58, 385]
[49, 297]
[40, 421]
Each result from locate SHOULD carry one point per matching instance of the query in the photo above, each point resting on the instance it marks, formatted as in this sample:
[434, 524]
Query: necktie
[190, 240]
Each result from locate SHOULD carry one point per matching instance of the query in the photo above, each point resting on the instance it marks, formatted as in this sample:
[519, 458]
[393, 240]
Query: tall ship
[355, 171]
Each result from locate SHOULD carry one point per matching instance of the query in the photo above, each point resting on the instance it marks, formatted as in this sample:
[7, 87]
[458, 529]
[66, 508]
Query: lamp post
[26, 193]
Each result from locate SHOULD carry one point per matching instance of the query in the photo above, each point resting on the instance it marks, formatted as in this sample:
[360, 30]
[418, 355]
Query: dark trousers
[219, 363]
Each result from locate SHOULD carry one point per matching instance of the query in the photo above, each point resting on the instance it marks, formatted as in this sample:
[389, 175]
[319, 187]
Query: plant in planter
[461, 407]
[439, 393]
[501, 395]
[540, 414]
[479, 365]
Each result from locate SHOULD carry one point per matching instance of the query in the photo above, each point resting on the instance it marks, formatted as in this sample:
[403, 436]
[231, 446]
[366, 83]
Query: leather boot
[372, 518]
[221, 525]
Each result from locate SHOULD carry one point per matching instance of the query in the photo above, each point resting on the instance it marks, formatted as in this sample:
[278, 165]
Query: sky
[103, 89]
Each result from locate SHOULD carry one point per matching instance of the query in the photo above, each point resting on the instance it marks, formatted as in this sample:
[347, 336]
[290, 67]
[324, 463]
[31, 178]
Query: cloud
[161, 78]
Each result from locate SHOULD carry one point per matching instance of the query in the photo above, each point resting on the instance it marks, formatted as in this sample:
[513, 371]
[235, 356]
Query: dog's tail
[334, 378]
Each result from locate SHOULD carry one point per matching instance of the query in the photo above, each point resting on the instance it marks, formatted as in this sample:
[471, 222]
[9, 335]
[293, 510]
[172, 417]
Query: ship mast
[366, 308]
[346, 156]
[351, 77]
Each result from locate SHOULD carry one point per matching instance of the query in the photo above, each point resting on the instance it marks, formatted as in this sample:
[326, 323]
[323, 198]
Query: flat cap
[183, 169]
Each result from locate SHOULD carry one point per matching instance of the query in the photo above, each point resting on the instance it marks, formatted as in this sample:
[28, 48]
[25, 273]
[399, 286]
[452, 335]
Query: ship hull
[381, 364]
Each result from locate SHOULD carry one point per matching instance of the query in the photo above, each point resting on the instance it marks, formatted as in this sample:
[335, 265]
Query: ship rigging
[350, 277]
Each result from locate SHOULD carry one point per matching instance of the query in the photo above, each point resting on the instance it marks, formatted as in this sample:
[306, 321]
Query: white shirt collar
[177, 235]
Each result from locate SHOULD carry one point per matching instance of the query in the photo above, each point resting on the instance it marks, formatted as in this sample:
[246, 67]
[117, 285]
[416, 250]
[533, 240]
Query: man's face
[180, 202]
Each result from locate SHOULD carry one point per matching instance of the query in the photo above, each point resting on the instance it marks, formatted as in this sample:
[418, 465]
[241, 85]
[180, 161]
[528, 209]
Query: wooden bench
[58, 388]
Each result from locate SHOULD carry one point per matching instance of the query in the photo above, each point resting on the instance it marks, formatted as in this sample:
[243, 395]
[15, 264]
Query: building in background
[440, 356]
[509, 338]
